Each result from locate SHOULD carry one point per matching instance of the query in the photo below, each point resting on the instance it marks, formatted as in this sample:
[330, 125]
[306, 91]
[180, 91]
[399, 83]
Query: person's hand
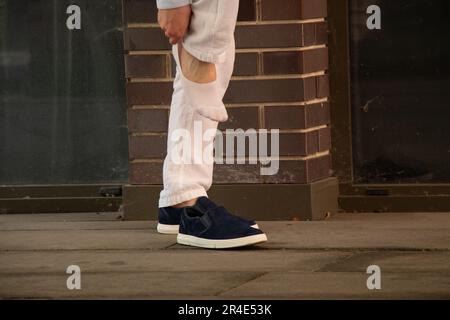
[175, 22]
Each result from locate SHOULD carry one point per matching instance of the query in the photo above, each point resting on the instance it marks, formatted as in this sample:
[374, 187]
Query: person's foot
[216, 228]
[169, 220]
[169, 217]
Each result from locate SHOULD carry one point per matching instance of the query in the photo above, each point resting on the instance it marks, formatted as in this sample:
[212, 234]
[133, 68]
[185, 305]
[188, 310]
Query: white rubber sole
[173, 229]
[168, 228]
[220, 244]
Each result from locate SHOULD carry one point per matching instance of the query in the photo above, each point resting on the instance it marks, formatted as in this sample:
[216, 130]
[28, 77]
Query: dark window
[401, 92]
[62, 104]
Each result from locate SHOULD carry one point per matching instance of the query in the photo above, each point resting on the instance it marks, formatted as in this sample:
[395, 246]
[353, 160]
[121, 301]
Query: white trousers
[196, 109]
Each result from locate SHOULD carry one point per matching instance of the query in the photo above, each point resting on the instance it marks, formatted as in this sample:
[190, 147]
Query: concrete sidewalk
[302, 260]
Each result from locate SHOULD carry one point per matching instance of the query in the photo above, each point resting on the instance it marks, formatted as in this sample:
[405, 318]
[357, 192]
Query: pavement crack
[336, 261]
[170, 246]
[257, 276]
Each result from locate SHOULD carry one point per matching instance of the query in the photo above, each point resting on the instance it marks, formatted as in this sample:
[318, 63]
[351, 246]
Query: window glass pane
[62, 104]
[401, 91]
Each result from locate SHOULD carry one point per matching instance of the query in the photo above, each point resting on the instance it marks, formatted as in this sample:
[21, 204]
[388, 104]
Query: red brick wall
[280, 82]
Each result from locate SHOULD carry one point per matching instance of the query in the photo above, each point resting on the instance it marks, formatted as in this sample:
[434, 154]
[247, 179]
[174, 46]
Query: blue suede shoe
[169, 217]
[169, 220]
[216, 228]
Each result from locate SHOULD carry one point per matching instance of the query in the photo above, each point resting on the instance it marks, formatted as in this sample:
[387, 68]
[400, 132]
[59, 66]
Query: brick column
[280, 82]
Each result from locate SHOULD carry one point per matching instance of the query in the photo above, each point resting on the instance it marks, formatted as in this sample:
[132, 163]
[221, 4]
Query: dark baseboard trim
[60, 198]
[59, 205]
[395, 203]
[313, 201]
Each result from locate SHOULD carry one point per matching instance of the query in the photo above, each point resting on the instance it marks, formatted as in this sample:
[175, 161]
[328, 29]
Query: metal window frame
[355, 197]
[67, 198]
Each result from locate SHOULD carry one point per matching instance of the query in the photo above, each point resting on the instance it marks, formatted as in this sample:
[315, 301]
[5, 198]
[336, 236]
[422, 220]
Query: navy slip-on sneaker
[169, 220]
[204, 203]
[169, 217]
[216, 228]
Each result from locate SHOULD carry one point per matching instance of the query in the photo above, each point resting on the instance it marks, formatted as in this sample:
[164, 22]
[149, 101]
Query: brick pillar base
[280, 82]
[303, 202]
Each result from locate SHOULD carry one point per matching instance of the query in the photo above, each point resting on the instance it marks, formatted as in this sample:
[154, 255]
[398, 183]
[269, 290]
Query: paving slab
[302, 260]
[377, 231]
[83, 240]
[344, 285]
[117, 285]
[359, 234]
[393, 262]
[78, 225]
[181, 261]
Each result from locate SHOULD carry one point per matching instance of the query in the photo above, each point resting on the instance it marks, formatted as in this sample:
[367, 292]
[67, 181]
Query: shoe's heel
[167, 228]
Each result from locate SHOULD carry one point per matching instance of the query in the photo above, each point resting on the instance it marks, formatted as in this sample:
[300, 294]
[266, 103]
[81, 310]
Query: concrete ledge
[313, 201]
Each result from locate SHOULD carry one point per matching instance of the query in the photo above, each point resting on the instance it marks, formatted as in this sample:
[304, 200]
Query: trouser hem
[177, 198]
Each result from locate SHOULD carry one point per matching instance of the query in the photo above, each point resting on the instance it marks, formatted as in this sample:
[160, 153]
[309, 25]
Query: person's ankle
[184, 204]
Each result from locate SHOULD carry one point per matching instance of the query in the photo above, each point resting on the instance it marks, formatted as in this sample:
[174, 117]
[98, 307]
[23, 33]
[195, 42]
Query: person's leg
[186, 181]
[211, 29]
[211, 33]
[205, 61]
